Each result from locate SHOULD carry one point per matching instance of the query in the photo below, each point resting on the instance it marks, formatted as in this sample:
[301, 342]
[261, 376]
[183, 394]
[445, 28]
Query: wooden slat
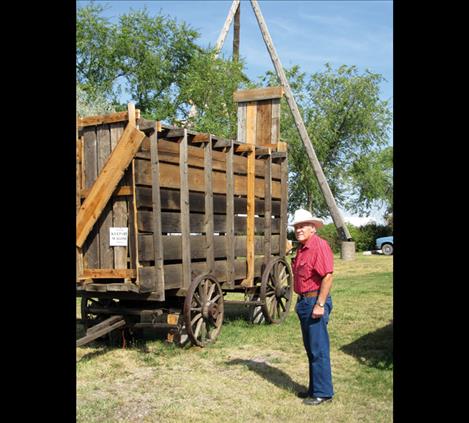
[119, 207]
[171, 223]
[268, 212]
[107, 181]
[208, 223]
[264, 122]
[230, 211]
[284, 208]
[135, 261]
[275, 130]
[101, 119]
[79, 184]
[120, 191]
[257, 94]
[132, 114]
[242, 107]
[170, 201]
[108, 273]
[90, 172]
[168, 152]
[172, 246]
[251, 119]
[104, 221]
[185, 214]
[156, 206]
[174, 276]
[170, 178]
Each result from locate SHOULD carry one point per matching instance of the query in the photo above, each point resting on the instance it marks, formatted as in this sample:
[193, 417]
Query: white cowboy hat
[303, 216]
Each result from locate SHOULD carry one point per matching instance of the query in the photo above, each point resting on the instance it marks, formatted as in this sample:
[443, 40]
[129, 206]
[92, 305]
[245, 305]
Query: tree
[349, 127]
[156, 60]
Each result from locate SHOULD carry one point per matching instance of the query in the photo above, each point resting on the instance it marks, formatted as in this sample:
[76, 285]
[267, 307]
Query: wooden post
[268, 209]
[335, 213]
[156, 204]
[251, 120]
[236, 28]
[185, 216]
[221, 38]
[230, 240]
[208, 223]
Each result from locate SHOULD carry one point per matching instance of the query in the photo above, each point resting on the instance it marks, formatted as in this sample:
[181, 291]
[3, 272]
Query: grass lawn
[252, 372]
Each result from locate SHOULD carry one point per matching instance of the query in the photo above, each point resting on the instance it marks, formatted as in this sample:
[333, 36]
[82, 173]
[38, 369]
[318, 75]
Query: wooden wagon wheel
[203, 310]
[276, 290]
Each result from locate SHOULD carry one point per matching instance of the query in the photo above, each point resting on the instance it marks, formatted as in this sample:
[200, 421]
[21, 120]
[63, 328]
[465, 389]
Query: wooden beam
[242, 148]
[185, 213]
[226, 26]
[118, 192]
[256, 94]
[335, 212]
[268, 210]
[236, 30]
[108, 273]
[208, 218]
[107, 118]
[107, 181]
[230, 211]
[251, 117]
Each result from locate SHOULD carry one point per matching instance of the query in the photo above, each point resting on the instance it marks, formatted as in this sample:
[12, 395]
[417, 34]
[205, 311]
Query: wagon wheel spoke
[211, 291]
[195, 318]
[216, 298]
[197, 328]
[197, 298]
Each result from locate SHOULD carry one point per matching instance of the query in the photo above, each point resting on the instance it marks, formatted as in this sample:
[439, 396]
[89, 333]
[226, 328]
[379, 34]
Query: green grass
[252, 372]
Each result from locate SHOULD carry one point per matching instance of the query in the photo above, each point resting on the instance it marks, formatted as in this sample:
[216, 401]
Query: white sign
[118, 237]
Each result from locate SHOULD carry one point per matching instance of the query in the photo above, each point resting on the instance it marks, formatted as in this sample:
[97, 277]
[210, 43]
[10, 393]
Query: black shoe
[316, 400]
[303, 394]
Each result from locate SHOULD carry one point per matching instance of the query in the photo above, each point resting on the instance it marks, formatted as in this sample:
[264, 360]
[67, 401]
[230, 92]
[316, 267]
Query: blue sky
[307, 33]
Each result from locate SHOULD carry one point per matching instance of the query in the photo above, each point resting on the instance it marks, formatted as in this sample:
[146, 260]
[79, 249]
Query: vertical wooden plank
[251, 116]
[242, 107]
[79, 184]
[267, 209]
[208, 222]
[131, 112]
[134, 238]
[283, 207]
[264, 122]
[156, 204]
[185, 213]
[230, 241]
[104, 222]
[90, 170]
[275, 132]
[119, 205]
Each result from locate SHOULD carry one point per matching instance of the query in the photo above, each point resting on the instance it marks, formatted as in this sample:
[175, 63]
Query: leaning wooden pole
[221, 38]
[335, 213]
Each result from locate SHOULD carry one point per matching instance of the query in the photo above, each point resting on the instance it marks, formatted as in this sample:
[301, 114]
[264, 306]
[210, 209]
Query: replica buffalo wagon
[169, 220]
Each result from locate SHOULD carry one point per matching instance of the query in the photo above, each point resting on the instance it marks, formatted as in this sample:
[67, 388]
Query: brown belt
[309, 294]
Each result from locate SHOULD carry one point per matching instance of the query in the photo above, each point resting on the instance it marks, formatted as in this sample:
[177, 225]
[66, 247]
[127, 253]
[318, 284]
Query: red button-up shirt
[313, 261]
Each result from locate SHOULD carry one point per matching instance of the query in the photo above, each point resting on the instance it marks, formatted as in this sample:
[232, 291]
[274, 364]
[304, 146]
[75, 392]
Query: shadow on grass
[373, 349]
[275, 376]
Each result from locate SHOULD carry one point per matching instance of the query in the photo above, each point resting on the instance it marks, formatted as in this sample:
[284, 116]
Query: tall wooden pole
[335, 213]
[221, 38]
[236, 28]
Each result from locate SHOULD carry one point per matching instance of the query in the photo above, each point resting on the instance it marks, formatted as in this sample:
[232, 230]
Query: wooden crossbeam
[257, 94]
[108, 273]
[106, 182]
[108, 118]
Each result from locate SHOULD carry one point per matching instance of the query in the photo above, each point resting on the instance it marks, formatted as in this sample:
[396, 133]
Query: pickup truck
[385, 244]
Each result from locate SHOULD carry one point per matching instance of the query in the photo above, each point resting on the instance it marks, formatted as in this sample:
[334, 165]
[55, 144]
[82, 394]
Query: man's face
[303, 231]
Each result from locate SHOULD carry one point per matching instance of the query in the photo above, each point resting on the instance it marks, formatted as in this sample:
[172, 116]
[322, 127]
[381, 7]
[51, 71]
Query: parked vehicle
[385, 244]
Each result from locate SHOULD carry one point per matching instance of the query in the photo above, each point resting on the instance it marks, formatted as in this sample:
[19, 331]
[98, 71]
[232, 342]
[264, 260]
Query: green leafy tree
[348, 125]
[209, 86]
[157, 62]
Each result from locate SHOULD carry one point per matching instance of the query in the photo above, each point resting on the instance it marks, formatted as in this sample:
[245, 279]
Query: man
[312, 269]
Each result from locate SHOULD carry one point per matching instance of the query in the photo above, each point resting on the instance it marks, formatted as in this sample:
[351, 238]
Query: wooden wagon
[169, 220]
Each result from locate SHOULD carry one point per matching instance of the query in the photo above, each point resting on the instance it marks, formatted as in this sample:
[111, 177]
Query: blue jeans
[316, 342]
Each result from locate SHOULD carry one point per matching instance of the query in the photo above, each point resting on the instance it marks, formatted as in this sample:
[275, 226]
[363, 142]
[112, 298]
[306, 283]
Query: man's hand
[317, 312]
